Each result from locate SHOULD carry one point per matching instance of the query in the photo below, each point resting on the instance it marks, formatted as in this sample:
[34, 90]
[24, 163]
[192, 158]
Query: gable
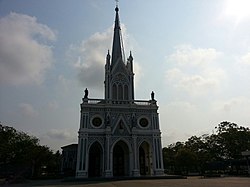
[121, 127]
[119, 67]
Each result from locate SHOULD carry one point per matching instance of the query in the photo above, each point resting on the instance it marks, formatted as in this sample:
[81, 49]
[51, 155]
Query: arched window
[126, 92]
[114, 91]
[95, 160]
[120, 92]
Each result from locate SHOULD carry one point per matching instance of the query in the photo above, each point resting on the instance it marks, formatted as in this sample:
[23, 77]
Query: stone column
[161, 156]
[107, 172]
[159, 170]
[82, 158]
[135, 171]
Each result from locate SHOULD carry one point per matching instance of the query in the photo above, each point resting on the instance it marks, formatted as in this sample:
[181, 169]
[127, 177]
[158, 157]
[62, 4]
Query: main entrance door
[142, 161]
[120, 159]
[95, 160]
[145, 159]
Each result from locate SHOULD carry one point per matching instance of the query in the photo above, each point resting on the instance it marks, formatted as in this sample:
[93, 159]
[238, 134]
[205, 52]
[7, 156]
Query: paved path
[190, 182]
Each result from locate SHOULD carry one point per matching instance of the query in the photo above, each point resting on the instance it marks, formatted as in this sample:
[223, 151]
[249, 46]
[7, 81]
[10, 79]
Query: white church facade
[118, 135]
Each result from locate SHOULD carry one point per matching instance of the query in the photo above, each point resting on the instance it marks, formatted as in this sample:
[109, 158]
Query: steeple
[117, 49]
[119, 75]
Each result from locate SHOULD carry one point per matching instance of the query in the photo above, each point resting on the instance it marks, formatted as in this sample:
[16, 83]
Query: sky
[195, 56]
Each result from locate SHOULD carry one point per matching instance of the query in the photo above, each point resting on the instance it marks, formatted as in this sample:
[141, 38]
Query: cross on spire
[117, 49]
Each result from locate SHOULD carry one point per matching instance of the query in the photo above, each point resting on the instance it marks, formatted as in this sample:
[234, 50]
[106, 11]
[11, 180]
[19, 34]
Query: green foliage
[232, 139]
[185, 160]
[193, 155]
[21, 155]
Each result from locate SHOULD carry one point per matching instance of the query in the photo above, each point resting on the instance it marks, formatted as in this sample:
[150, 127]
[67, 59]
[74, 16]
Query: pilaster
[135, 171]
[108, 171]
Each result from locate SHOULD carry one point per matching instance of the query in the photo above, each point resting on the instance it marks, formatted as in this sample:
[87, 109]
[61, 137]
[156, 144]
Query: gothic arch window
[120, 92]
[95, 160]
[114, 91]
[145, 159]
[126, 92]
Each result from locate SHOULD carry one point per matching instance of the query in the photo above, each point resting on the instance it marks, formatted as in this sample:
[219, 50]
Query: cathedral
[119, 135]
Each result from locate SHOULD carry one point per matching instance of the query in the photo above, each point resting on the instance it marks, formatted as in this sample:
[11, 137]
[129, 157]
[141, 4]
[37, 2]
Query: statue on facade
[152, 96]
[108, 119]
[133, 120]
[86, 93]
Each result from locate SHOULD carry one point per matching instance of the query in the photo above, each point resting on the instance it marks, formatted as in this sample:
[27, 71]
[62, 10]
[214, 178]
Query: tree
[186, 160]
[21, 154]
[199, 146]
[169, 154]
[216, 150]
[168, 159]
[232, 139]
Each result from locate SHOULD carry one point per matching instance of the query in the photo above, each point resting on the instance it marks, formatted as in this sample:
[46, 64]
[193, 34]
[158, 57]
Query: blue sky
[195, 56]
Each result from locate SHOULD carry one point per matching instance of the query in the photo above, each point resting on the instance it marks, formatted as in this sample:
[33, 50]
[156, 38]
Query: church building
[119, 135]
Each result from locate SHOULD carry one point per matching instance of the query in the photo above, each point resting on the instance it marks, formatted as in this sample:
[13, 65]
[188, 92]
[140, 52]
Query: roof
[70, 146]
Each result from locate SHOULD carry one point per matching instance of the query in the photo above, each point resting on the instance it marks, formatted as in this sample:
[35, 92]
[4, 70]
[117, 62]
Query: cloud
[64, 83]
[246, 59]
[27, 110]
[175, 109]
[55, 138]
[180, 114]
[183, 119]
[138, 70]
[232, 105]
[195, 70]
[53, 105]
[61, 134]
[89, 57]
[187, 55]
[196, 84]
[24, 52]
[181, 107]
[234, 109]
[172, 136]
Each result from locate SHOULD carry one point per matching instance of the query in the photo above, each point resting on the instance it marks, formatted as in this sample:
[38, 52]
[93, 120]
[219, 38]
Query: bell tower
[119, 75]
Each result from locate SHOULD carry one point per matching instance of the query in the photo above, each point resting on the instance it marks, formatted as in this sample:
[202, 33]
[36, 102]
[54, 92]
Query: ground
[189, 182]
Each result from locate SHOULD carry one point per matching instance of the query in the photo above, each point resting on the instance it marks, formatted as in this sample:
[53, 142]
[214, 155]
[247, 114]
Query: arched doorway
[145, 159]
[95, 160]
[121, 159]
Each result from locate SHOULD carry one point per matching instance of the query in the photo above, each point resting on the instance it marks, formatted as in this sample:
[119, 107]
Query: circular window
[143, 122]
[97, 121]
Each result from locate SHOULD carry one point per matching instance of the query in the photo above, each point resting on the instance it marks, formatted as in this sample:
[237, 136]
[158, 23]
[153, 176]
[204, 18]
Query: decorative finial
[117, 1]
[116, 8]
[130, 58]
[108, 56]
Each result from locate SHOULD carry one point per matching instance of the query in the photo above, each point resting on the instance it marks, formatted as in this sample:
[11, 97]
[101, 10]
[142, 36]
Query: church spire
[119, 76]
[117, 50]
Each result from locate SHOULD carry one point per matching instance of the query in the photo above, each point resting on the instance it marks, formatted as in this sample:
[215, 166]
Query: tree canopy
[22, 155]
[226, 144]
